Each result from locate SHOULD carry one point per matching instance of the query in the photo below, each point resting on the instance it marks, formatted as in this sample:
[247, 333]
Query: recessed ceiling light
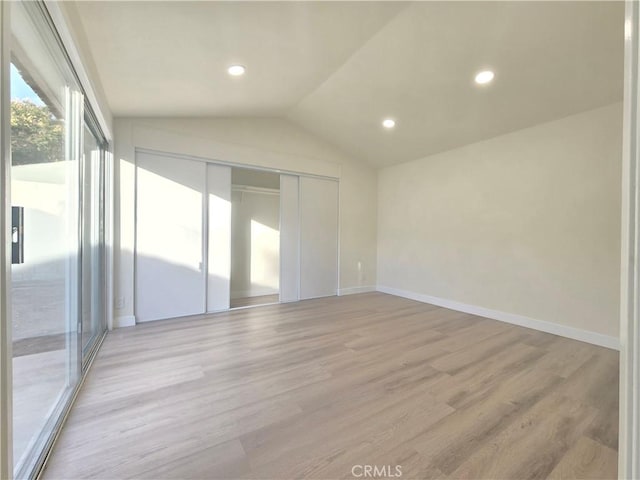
[484, 77]
[236, 70]
[388, 123]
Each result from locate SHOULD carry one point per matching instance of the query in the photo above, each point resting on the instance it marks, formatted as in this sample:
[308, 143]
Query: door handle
[17, 235]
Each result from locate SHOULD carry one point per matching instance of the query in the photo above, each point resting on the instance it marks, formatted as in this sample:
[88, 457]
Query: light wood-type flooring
[251, 301]
[323, 388]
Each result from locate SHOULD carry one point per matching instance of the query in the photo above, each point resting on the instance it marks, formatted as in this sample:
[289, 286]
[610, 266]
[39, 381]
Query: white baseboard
[515, 319]
[124, 321]
[353, 290]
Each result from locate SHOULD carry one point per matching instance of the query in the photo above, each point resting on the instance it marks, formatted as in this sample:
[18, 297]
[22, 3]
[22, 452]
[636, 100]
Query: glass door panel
[92, 242]
[46, 136]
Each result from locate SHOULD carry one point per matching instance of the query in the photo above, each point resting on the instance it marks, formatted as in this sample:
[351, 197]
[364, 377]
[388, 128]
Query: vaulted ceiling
[338, 68]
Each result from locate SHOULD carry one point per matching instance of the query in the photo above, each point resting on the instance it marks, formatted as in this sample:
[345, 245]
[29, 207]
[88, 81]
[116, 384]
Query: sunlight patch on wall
[265, 246]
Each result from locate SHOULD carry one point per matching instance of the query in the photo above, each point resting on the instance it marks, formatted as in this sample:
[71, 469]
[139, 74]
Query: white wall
[526, 223]
[265, 142]
[255, 244]
[80, 45]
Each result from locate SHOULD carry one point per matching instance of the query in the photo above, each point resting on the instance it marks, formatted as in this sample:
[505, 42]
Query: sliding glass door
[57, 189]
[93, 266]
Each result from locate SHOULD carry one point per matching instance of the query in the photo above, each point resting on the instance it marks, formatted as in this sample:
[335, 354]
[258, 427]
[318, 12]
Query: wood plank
[587, 459]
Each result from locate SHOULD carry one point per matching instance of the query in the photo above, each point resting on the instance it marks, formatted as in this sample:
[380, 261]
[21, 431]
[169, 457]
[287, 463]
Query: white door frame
[6, 416]
[629, 427]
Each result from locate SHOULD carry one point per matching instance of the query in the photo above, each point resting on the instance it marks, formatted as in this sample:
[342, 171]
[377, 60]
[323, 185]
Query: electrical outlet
[119, 302]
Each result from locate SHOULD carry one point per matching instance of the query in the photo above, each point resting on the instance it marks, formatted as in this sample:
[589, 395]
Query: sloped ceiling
[338, 68]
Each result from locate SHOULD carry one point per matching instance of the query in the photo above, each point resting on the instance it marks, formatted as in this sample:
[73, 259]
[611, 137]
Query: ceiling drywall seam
[287, 111]
[349, 154]
[350, 157]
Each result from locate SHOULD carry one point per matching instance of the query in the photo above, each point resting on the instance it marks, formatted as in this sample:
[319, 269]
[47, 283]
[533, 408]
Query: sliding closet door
[170, 277]
[289, 239]
[219, 244]
[318, 237]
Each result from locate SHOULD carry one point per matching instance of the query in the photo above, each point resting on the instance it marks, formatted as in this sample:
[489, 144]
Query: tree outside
[36, 135]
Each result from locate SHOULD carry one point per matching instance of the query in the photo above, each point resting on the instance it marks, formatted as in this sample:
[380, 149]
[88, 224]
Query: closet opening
[255, 238]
